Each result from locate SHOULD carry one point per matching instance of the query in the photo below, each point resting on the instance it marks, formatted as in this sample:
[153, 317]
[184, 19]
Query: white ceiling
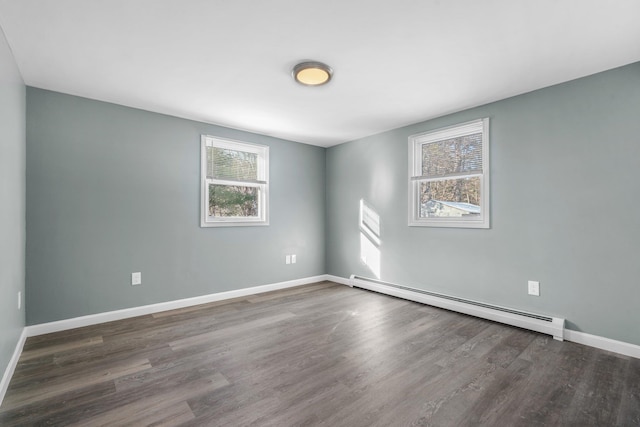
[396, 62]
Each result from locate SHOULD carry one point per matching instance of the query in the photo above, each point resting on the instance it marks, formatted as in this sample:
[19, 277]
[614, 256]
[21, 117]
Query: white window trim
[263, 183]
[415, 170]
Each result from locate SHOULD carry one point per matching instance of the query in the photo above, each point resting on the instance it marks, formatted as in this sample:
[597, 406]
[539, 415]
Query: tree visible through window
[449, 180]
[234, 183]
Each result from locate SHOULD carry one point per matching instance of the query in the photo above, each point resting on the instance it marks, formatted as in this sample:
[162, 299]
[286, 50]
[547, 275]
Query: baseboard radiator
[553, 326]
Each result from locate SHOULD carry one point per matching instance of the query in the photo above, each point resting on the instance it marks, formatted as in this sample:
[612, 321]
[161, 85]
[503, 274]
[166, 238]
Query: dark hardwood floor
[321, 354]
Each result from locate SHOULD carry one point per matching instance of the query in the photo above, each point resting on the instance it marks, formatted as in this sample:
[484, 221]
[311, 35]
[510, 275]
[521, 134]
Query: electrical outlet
[293, 259]
[287, 259]
[534, 288]
[19, 300]
[136, 278]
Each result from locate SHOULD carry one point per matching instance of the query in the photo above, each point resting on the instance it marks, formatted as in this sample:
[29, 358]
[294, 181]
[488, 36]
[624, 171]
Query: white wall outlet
[287, 259]
[136, 278]
[534, 288]
[19, 300]
[293, 259]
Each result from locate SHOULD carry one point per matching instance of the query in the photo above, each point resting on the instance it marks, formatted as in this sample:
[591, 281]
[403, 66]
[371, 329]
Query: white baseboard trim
[109, 316]
[338, 279]
[11, 367]
[603, 343]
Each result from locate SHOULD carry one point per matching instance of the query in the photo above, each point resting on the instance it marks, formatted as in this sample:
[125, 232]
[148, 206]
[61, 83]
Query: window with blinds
[449, 176]
[234, 183]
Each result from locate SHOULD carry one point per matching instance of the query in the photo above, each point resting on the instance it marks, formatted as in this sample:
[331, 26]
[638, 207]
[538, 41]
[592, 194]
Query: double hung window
[449, 176]
[235, 183]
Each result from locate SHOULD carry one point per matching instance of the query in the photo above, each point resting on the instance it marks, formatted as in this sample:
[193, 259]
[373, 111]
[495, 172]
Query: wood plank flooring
[321, 354]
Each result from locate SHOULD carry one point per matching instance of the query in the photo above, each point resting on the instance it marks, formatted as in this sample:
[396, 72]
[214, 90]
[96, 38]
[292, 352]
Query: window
[449, 176]
[235, 183]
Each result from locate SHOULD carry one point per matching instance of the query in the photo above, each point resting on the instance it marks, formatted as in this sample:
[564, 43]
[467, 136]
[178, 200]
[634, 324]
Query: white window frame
[415, 171]
[262, 183]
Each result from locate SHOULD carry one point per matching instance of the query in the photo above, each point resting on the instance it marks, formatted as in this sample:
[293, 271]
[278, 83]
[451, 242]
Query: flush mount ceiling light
[312, 73]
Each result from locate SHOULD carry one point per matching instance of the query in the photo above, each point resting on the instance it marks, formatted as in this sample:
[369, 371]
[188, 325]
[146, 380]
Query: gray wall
[565, 207]
[12, 201]
[112, 190]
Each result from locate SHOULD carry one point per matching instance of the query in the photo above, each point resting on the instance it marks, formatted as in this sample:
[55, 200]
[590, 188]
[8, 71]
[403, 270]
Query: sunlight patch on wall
[370, 238]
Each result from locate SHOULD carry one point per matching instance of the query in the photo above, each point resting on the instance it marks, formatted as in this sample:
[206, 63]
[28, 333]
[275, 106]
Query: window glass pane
[233, 201]
[456, 155]
[223, 163]
[450, 198]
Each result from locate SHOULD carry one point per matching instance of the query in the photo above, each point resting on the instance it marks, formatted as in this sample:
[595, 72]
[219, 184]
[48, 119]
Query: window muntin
[449, 176]
[234, 183]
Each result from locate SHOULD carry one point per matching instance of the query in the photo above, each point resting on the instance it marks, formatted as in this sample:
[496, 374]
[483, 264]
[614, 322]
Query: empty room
[350, 213]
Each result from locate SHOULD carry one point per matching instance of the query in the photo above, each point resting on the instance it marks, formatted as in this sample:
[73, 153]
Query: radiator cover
[553, 326]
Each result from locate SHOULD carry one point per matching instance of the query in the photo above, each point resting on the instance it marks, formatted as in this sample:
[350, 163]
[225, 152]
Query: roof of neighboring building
[468, 207]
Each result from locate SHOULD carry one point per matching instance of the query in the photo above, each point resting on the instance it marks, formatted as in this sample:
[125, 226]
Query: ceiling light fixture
[312, 73]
